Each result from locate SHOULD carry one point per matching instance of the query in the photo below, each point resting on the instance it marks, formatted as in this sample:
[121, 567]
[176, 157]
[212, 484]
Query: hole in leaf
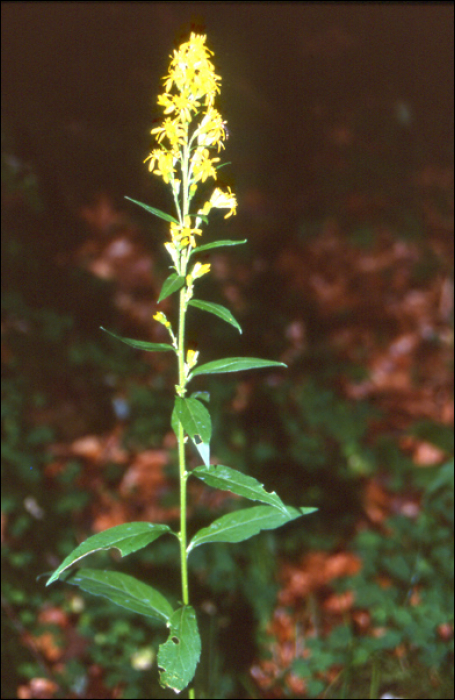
[197, 439]
[176, 640]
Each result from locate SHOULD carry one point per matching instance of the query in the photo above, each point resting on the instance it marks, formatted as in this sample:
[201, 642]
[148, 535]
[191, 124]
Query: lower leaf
[123, 590]
[179, 656]
[127, 538]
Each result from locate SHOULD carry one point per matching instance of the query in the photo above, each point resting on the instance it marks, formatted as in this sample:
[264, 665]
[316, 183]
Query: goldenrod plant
[189, 141]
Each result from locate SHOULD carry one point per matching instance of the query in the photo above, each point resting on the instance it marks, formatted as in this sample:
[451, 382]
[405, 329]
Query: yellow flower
[174, 131]
[224, 200]
[180, 103]
[191, 70]
[198, 271]
[183, 236]
[166, 101]
[164, 163]
[161, 318]
[202, 165]
[211, 130]
[205, 209]
[191, 358]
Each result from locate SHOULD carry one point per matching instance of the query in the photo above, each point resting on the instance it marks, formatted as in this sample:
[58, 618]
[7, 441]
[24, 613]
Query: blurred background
[340, 146]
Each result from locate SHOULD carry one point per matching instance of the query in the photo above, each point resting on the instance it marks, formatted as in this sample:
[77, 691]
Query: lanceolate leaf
[216, 244]
[245, 523]
[194, 417]
[152, 210]
[234, 364]
[218, 310]
[127, 538]
[179, 656]
[171, 285]
[123, 590]
[227, 479]
[196, 423]
[140, 344]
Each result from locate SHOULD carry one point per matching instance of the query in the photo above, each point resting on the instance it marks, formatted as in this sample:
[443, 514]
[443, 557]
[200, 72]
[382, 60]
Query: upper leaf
[171, 285]
[179, 656]
[216, 244]
[123, 590]
[243, 524]
[140, 344]
[196, 422]
[194, 417]
[227, 479]
[234, 364]
[127, 538]
[218, 310]
[152, 210]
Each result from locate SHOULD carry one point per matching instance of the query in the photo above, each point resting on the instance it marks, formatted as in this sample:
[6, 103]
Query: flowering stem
[182, 382]
[190, 89]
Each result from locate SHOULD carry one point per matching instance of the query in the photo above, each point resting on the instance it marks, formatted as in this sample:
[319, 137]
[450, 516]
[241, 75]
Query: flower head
[191, 70]
[220, 200]
[191, 130]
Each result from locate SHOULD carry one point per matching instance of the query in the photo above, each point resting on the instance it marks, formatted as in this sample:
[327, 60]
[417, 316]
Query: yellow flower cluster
[186, 138]
[161, 318]
[183, 235]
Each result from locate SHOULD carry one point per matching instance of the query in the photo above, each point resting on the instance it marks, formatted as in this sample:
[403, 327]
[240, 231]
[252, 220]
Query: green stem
[182, 465]
[182, 382]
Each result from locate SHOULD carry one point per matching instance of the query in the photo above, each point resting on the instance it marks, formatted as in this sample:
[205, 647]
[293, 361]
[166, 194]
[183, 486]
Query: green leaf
[216, 244]
[140, 344]
[220, 311]
[243, 524]
[152, 210]
[175, 421]
[171, 285]
[227, 479]
[201, 395]
[204, 450]
[194, 417]
[234, 364]
[179, 656]
[196, 422]
[127, 538]
[123, 590]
